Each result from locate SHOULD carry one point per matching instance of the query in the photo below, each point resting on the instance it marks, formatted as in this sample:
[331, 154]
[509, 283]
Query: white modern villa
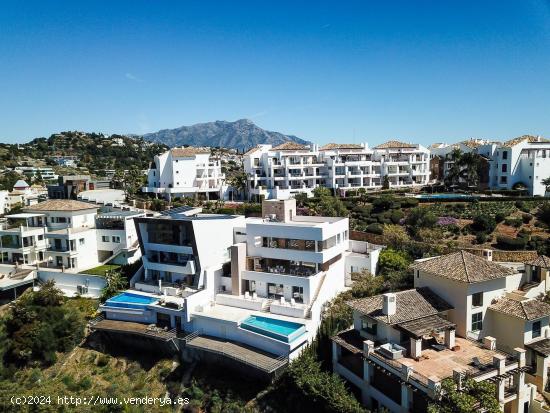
[186, 172]
[467, 317]
[260, 283]
[288, 169]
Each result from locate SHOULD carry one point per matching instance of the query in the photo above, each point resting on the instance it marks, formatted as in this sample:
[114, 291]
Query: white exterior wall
[184, 176]
[68, 283]
[459, 295]
[301, 171]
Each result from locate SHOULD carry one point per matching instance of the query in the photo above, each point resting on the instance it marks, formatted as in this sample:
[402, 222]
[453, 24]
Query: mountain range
[242, 134]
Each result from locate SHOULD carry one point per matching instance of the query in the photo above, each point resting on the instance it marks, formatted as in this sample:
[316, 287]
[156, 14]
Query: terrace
[435, 363]
[276, 266]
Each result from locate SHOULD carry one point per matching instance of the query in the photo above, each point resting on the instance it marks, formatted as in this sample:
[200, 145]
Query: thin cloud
[258, 115]
[132, 77]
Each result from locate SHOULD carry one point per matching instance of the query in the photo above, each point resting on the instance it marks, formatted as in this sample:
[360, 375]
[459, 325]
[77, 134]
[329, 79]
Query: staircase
[315, 295]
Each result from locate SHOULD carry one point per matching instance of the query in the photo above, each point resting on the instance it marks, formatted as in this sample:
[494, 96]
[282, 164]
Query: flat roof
[25, 215]
[298, 221]
[119, 214]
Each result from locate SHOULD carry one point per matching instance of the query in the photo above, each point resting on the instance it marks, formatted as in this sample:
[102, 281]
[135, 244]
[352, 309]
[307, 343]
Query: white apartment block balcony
[177, 265]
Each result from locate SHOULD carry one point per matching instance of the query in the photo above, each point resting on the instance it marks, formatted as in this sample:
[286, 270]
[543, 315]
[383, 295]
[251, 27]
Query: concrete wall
[68, 283]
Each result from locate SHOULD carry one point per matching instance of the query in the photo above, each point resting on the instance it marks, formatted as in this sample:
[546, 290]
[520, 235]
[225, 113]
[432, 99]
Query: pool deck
[132, 328]
[237, 315]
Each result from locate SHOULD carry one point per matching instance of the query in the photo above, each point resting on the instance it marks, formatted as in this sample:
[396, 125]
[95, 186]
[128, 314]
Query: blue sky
[341, 71]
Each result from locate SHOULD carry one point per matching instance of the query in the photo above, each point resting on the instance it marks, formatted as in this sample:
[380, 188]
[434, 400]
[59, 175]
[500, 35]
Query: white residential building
[117, 236]
[523, 161]
[258, 282]
[288, 169]
[46, 172]
[68, 235]
[403, 345]
[186, 172]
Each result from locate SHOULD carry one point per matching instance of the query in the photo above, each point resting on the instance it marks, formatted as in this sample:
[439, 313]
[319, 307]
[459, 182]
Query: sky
[341, 71]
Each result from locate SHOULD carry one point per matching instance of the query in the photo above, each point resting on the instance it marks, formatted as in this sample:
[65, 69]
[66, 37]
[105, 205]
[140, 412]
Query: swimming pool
[129, 300]
[282, 330]
[447, 196]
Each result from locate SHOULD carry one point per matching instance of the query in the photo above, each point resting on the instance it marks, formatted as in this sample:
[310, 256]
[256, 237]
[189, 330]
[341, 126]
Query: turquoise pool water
[129, 300]
[446, 196]
[286, 331]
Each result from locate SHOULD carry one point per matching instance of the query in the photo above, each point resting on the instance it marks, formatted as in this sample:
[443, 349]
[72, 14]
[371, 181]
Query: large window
[477, 321]
[369, 326]
[275, 290]
[298, 294]
[536, 329]
[168, 233]
[477, 300]
[287, 243]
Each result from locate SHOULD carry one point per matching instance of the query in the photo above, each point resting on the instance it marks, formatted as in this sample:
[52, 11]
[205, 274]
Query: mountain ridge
[241, 134]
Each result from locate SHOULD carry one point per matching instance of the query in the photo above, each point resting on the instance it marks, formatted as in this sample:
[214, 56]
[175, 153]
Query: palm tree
[469, 164]
[452, 177]
[239, 182]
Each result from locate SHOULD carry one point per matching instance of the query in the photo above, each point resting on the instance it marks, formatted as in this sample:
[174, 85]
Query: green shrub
[483, 223]
[375, 229]
[513, 222]
[500, 216]
[396, 216]
[543, 213]
[508, 243]
[481, 237]
[409, 202]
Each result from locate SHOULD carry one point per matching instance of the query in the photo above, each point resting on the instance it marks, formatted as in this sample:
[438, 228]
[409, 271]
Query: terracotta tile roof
[251, 150]
[529, 138]
[526, 309]
[541, 261]
[463, 266]
[471, 143]
[61, 205]
[189, 151]
[426, 325]
[394, 144]
[410, 305]
[540, 346]
[291, 146]
[330, 146]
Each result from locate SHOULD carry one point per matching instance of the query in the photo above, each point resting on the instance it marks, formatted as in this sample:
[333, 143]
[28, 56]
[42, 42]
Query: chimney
[488, 254]
[389, 306]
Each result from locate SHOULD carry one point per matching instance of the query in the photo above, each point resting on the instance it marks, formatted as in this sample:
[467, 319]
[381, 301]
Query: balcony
[180, 266]
[283, 267]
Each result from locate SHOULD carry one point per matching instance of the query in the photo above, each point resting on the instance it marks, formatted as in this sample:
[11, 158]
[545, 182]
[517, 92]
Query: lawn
[101, 270]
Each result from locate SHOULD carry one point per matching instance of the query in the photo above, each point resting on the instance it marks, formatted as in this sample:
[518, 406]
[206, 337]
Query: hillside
[93, 151]
[242, 134]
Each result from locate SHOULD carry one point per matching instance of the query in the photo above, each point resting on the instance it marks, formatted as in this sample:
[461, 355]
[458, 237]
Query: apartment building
[283, 171]
[255, 282]
[186, 172]
[68, 235]
[32, 172]
[520, 162]
[117, 236]
[523, 161]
